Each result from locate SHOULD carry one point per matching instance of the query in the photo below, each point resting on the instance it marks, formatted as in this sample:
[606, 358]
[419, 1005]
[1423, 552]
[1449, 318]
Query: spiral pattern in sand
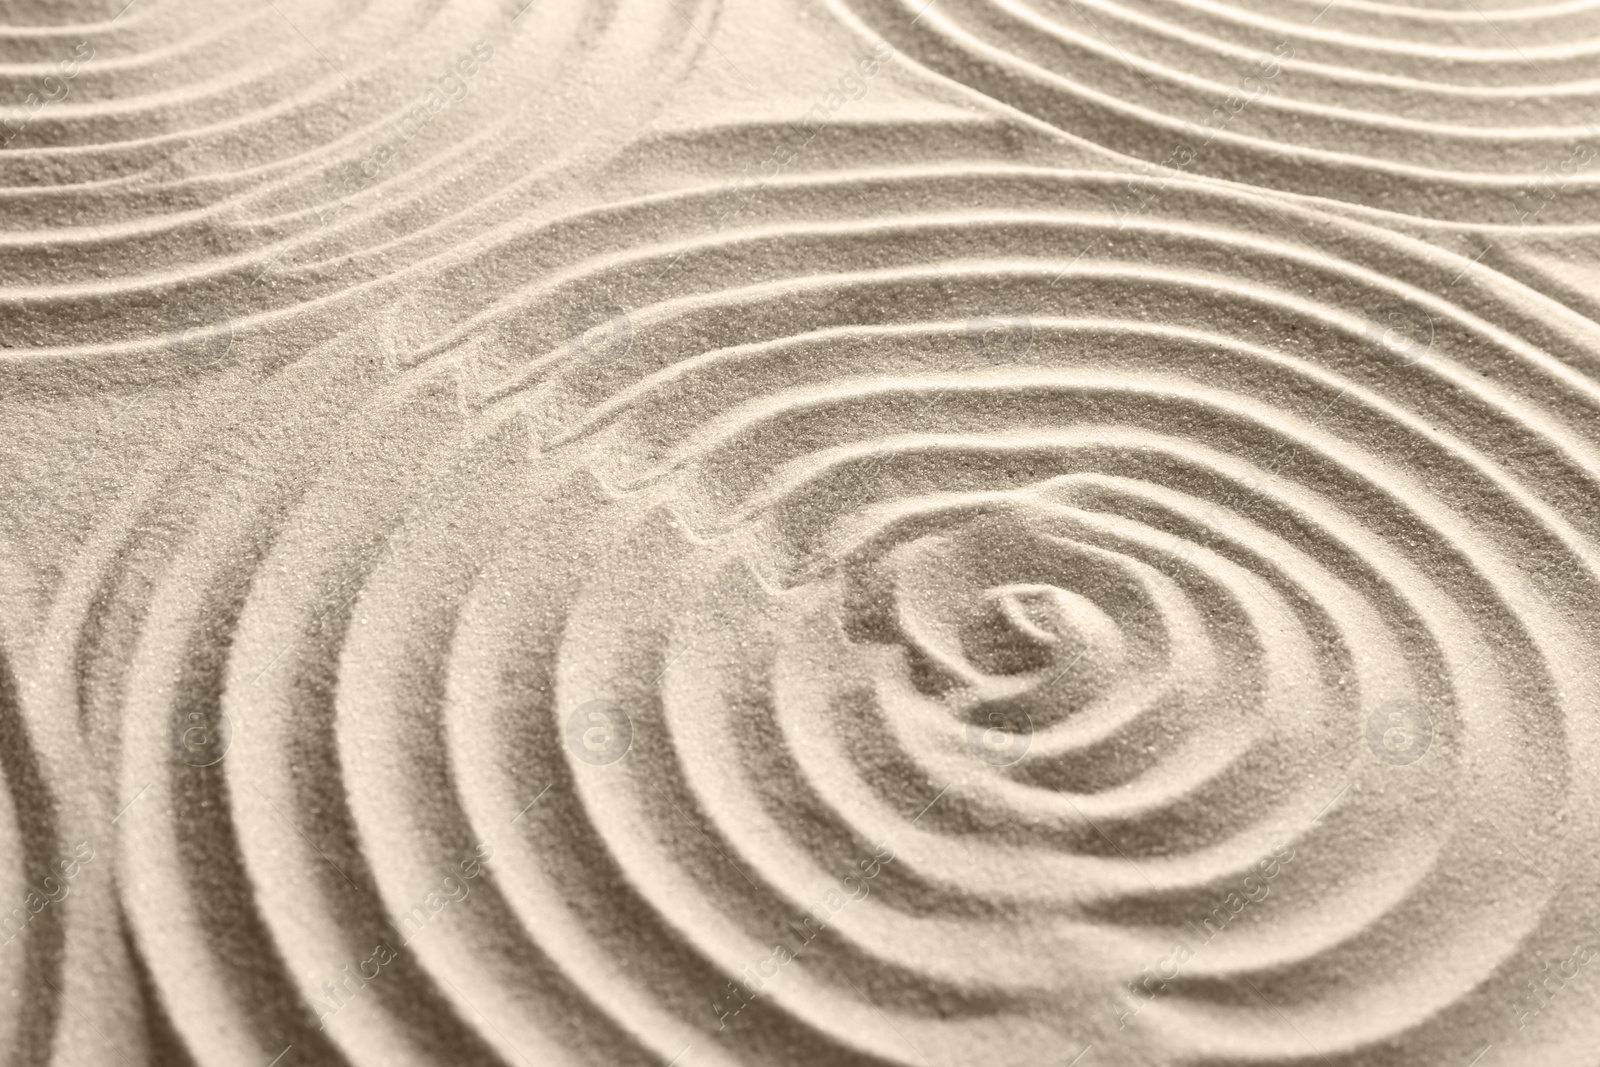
[906, 631]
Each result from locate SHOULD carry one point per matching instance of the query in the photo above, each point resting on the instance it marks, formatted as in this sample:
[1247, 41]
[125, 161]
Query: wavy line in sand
[1358, 103]
[1079, 584]
[334, 170]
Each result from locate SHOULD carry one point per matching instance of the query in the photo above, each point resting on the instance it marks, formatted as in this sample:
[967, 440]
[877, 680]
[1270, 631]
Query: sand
[775, 532]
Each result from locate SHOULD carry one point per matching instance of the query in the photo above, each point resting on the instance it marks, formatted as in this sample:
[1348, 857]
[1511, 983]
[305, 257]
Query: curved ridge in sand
[903, 630]
[1481, 116]
[938, 603]
[193, 174]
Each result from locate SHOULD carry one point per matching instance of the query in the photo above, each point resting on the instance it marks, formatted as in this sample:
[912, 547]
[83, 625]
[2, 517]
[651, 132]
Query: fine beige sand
[804, 532]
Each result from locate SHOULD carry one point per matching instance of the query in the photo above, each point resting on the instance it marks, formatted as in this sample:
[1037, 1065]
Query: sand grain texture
[836, 532]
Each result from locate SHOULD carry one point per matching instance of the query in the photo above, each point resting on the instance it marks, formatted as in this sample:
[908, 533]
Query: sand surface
[815, 532]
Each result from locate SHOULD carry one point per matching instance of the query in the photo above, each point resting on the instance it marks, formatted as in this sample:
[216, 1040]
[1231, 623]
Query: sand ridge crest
[867, 600]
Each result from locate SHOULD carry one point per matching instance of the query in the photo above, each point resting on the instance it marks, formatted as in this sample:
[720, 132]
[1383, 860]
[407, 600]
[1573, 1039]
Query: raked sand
[828, 533]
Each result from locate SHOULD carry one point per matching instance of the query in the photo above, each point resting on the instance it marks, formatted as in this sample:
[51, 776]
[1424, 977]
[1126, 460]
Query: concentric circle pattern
[906, 609]
[801, 542]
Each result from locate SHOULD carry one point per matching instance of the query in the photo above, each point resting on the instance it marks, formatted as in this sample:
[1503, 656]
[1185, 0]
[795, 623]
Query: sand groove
[873, 626]
[1445, 115]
